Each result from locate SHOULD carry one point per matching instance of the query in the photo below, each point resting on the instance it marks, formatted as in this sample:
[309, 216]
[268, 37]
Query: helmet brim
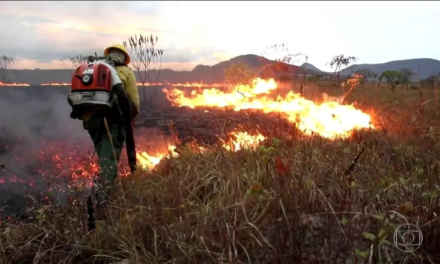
[127, 56]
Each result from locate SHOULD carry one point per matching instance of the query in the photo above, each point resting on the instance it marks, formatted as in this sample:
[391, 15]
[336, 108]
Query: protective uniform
[109, 149]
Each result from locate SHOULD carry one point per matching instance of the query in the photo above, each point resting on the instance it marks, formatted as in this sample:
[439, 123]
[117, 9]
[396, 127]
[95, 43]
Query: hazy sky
[38, 34]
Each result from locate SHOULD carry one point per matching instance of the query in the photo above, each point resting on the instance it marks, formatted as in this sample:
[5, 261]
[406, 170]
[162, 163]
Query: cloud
[46, 41]
[147, 8]
[191, 54]
[38, 20]
[154, 31]
[191, 32]
[56, 64]
[43, 43]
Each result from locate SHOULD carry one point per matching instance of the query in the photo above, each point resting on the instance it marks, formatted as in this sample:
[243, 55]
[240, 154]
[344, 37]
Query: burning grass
[283, 197]
[289, 199]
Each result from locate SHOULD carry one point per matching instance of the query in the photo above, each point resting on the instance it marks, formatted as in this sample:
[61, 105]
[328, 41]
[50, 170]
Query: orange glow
[243, 140]
[148, 161]
[238, 141]
[70, 162]
[14, 84]
[55, 84]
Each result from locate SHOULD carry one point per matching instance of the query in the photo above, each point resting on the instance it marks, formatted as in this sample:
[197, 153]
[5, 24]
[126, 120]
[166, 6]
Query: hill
[423, 67]
[215, 73]
[201, 73]
[311, 67]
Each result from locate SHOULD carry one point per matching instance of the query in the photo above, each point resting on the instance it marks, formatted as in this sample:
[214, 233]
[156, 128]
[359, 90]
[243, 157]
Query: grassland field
[295, 199]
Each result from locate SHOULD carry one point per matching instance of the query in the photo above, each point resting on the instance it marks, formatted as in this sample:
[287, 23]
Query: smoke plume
[33, 121]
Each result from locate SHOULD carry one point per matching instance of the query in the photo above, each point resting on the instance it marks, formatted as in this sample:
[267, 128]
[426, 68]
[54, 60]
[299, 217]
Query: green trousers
[107, 148]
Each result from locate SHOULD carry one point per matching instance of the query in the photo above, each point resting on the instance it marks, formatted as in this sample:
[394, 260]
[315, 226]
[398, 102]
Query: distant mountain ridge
[424, 67]
[309, 66]
[215, 73]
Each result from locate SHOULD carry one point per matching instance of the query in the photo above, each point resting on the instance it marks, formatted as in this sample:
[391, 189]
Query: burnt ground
[206, 126]
[39, 108]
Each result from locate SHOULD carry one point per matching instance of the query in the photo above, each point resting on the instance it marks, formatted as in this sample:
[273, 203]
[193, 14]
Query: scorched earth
[330, 120]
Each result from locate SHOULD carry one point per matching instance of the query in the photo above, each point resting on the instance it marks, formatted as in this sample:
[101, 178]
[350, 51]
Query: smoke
[35, 125]
[31, 113]
[33, 120]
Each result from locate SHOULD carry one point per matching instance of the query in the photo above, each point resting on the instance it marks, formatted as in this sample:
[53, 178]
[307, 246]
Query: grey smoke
[33, 119]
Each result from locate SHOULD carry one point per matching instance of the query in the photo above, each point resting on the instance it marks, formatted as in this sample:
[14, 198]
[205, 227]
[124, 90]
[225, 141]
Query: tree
[283, 60]
[145, 57]
[436, 90]
[338, 61]
[393, 78]
[405, 75]
[72, 62]
[238, 74]
[5, 62]
[379, 79]
[364, 76]
[313, 78]
[285, 78]
[352, 81]
[301, 88]
[429, 81]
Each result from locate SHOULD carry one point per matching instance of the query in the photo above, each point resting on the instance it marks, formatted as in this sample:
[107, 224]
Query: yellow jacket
[129, 80]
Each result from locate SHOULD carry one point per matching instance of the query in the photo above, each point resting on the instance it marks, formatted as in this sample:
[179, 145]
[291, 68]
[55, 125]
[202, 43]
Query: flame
[13, 84]
[243, 140]
[187, 84]
[329, 119]
[55, 84]
[149, 161]
[77, 170]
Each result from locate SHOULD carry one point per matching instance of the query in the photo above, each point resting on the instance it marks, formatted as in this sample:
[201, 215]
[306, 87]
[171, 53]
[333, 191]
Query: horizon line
[53, 69]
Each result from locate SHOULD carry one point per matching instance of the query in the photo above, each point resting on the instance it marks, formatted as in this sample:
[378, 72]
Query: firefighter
[109, 149]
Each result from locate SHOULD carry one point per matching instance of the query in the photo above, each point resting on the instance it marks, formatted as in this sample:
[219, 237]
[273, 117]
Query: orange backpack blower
[92, 87]
[96, 86]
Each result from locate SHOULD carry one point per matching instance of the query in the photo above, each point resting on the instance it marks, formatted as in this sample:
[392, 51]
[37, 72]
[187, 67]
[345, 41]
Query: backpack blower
[96, 86]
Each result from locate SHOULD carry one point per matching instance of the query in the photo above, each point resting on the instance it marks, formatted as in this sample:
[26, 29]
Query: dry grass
[293, 200]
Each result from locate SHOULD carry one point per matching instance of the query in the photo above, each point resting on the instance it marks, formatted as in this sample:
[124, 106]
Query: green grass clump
[291, 200]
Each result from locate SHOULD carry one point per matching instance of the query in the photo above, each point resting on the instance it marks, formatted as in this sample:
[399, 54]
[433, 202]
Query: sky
[38, 33]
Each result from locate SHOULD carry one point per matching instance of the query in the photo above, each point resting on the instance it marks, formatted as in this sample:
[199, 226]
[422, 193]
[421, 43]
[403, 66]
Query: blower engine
[92, 86]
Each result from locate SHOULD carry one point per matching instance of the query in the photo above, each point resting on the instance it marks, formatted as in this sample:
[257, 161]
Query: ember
[14, 84]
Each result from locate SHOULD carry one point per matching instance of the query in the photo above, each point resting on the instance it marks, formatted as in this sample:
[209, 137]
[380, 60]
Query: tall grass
[294, 199]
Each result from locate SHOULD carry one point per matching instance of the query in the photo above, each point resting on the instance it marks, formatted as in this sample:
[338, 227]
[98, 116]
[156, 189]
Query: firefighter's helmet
[120, 48]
